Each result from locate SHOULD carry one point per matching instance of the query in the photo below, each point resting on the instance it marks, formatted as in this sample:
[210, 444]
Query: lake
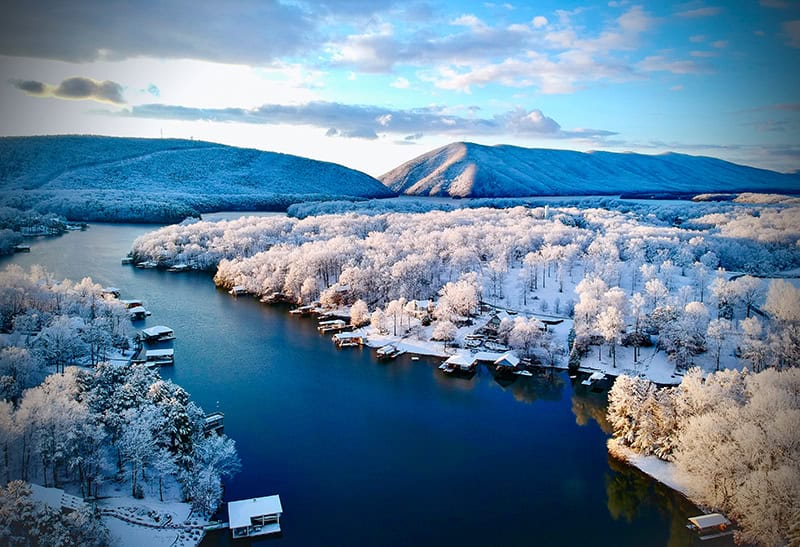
[389, 453]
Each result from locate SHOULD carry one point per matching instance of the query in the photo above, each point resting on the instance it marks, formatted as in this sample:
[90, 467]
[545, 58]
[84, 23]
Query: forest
[72, 414]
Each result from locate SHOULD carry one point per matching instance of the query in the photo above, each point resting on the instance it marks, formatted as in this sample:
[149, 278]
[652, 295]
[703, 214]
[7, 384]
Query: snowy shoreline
[655, 468]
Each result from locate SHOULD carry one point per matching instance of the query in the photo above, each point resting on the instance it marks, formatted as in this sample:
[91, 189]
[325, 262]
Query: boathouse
[507, 360]
[348, 339]
[459, 362]
[255, 517]
[159, 333]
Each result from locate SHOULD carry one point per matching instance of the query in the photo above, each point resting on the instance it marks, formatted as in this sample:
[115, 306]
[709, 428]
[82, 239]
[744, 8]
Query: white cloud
[659, 63]
[468, 20]
[697, 38]
[539, 21]
[400, 83]
[676, 88]
[720, 44]
[702, 53]
[700, 12]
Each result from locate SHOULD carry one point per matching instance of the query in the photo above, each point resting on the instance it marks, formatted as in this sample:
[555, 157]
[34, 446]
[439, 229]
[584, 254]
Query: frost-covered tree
[444, 331]
[717, 332]
[359, 314]
[525, 334]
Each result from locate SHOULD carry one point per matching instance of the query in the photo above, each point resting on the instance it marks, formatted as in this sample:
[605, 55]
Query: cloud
[539, 21]
[659, 63]
[368, 122]
[676, 88]
[153, 90]
[697, 38]
[400, 83]
[77, 88]
[254, 31]
[700, 12]
[791, 29]
[720, 44]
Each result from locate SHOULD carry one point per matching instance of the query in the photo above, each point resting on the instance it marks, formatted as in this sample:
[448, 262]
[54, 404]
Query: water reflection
[589, 405]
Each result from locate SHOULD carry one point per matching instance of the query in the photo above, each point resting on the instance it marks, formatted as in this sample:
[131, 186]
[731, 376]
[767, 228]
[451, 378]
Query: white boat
[523, 373]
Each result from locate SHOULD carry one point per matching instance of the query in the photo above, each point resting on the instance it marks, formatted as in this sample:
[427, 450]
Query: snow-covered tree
[717, 332]
[359, 314]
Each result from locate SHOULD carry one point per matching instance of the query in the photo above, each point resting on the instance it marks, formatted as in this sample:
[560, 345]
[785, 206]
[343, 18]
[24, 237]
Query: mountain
[163, 180]
[472, 170]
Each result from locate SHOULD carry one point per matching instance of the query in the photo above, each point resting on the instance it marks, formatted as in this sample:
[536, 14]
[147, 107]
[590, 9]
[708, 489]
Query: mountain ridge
[85, 177]
[464, 169]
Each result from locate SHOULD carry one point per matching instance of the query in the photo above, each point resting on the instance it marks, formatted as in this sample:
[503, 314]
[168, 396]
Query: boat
[710, 526]
[159, 333]
[415, 358]
[523, 373]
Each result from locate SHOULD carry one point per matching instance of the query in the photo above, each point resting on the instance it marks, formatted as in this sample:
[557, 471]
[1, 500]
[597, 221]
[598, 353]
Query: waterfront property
[333, 325]
[214, 422]
[255, 517]
[159, 357]
[459, 363]
[348, 339]
[159, 333]
[389, 351]
[238, 290]
[713, 525]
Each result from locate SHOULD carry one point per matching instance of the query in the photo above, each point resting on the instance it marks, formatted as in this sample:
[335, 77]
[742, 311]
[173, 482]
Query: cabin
[493, 324]
[348, 339]
[255, 517]
[710, 526]
[459, 363]
[422, 308]
[507, 361]
[238, 290]
[214, 422]
[159, 333]
[159, 357]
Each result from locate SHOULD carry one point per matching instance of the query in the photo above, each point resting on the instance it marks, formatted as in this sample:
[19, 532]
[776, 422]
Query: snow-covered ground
[662, 471]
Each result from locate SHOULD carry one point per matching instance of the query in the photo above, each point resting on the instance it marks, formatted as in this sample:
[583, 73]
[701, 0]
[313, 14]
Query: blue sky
[370, 87]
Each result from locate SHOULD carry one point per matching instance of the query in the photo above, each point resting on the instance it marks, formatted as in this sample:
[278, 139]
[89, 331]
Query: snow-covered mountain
[125, 179]
[472, 170]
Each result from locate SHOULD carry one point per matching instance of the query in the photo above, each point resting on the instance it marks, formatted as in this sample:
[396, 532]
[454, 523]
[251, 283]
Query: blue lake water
[368, 453]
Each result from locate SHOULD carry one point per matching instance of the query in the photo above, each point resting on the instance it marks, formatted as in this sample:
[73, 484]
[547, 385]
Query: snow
[471, 170]
[162, 179]
[662, 471]
[239, 512]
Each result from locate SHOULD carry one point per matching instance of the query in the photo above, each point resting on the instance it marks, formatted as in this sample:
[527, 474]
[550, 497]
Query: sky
[373, 84]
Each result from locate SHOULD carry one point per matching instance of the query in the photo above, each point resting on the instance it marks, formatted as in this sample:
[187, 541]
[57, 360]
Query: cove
[369, 453]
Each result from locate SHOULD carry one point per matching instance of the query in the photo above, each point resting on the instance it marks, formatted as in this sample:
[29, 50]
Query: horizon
[373, 87]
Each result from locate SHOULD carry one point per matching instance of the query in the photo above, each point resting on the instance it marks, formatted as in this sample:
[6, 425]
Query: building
[255, 517]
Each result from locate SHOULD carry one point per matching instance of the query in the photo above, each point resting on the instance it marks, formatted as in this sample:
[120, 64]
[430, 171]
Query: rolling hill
[163, 180]
[471, 170]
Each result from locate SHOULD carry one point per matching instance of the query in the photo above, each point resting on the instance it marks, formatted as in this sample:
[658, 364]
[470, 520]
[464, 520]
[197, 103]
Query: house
[507, 360]
[255, 517]
[422, 308]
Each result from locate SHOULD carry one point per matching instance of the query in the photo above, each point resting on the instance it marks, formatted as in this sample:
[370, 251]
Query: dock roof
[160, 352]
[459, 359]
[157, 330]
[508, 359]
[240, 512]
[713, 520]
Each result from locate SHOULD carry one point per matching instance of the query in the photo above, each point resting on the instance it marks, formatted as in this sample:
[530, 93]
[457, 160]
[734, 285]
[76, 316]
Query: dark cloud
[77, 88]
[246, 31]
[31, 87]
[367, 122]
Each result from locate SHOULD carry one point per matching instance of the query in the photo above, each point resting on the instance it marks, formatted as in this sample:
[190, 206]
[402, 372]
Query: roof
[137, 309]
[348, 335]
[157, 330]
[239, 512]
[711, 520]
[487, 356]
[507, 358]
[459, 359]
[160, 352]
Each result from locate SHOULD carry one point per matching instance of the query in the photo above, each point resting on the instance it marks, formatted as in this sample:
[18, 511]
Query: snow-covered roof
[137, 309]
[239, 512]
[711, 520]
[458, 359]
[507, 358]
[597, 375]
[157, 330]
[486, 356]
[347, 335]
[160, 352]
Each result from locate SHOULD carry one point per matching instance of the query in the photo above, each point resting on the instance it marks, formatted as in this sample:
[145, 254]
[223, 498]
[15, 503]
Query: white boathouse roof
[240, 512]
[459, 360]
[507, 359]
[713, 520]
[160, 352]
[158, 330]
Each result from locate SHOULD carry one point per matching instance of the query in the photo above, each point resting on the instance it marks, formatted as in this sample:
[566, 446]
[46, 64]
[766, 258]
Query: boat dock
[255, 517]
[159, 333]
[389, 351]
[711, 526]
[214, 422]
[348, 339]
[333, 325]
[237, 290]
[596, 376]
